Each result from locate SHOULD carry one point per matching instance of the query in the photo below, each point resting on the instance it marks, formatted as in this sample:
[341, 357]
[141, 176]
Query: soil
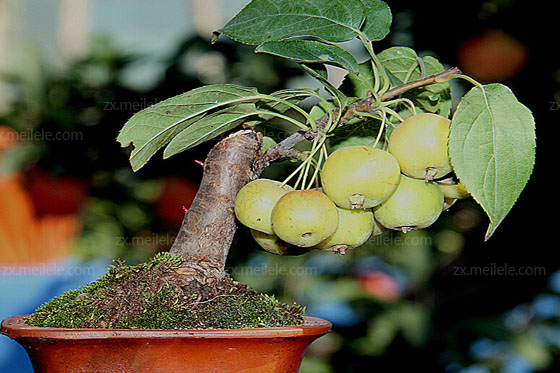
[151, 296]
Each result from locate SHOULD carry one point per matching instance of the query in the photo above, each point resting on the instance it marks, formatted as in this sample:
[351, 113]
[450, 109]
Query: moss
[255, 310]
[162, 310]
[147, 297]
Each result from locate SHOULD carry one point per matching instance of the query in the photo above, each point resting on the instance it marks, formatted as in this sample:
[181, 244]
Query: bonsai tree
[385, 150]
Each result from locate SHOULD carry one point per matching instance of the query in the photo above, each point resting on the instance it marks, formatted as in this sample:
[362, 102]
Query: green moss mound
[147, 296]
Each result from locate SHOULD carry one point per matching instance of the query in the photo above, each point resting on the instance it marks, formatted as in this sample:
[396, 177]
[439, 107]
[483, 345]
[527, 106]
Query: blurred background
[73, 71]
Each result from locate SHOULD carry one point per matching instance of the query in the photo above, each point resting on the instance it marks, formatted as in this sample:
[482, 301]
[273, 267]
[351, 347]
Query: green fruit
[448, 202]
[452, 190]
[274, 245]
[359, 176]
[377, 228]
[255, 201]
[415, 204]
[304, 218]
[354, 229]
[420, 146]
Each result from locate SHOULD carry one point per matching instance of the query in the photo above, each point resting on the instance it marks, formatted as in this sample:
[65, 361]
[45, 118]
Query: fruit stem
[394, 113]
[376, 65]
[402, 100]
[477, 84]
[309, 161]
[381, 127]
[306, 115]
[287, 118]
[314, 178]
[301, 168]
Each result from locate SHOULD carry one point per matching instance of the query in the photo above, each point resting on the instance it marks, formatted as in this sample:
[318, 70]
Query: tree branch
[284, 149]
[442, 77]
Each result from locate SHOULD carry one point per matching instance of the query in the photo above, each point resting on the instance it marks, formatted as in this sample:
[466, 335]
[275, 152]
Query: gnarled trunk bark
[207, 231]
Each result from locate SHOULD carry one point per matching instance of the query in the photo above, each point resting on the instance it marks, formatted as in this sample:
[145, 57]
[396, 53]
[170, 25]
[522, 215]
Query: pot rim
[14, 327]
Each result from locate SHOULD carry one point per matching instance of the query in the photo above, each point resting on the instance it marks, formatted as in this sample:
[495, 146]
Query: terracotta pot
[128, 350]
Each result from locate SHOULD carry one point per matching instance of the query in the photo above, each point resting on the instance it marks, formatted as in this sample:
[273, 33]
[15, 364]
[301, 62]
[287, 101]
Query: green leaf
[363, 134]
[319, 72]
[360, 84]
[321, 109]
[208, 128]
[378, 19]
[307, 51]
[267, 143]
[404, 65]
[267, 20]
[492, 148]
[154, 127]
[398, 61]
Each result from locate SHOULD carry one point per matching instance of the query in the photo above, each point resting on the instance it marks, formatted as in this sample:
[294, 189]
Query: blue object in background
[339, 313]
[546, 306]
[475, 369]
[24, 289]
[554, 282]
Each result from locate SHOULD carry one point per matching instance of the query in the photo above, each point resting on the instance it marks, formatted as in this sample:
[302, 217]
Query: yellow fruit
[377, 228]
[274, 245]
[453, 190]
[420, 146]
[448, 202]
[304, 218]
[255, 201]
[415, 204]
[359, 176]
[354, 229]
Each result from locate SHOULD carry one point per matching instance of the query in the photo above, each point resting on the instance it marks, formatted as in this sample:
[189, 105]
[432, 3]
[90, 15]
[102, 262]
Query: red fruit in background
[177, 193]
[55, 195]
[8, 138]
[380, 285]
[492, 56]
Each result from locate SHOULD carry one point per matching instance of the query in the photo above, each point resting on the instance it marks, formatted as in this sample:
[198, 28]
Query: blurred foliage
[67, 121]
[398, 303]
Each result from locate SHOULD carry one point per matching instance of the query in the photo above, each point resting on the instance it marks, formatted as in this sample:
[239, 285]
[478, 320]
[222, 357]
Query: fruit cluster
[365, 191]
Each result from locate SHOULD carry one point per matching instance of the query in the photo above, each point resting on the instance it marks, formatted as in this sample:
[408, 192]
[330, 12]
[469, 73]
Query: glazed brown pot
[126, 350]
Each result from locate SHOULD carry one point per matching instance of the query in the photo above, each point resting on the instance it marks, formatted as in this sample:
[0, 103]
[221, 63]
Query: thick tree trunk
[208, 228]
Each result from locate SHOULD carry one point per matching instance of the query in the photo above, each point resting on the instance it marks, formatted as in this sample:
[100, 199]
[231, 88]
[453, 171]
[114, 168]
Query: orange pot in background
[26, 238]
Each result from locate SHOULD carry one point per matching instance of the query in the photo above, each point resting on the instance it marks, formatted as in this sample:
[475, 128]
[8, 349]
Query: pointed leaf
[266, 20]
[209, 127]
[492, 148]
[154, 127]
[307, 51]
